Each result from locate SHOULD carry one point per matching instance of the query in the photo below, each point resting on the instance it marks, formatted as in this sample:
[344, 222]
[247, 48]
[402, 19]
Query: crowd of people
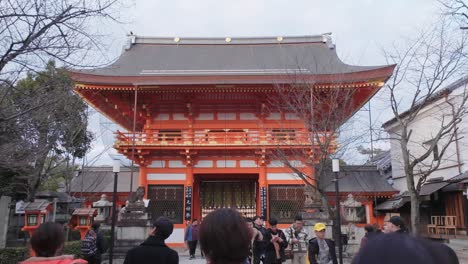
[226, 237]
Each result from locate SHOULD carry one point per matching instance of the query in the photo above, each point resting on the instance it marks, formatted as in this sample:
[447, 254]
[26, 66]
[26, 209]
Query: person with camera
[297, 238]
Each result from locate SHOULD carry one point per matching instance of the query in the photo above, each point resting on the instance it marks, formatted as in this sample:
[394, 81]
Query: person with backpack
[93, 245]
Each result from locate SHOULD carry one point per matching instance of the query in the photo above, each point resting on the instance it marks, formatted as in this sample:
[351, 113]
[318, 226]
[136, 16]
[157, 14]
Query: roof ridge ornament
[327, 39]
[131, 40]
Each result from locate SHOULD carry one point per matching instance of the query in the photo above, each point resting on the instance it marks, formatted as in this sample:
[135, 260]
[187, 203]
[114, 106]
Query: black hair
[404, 249]
[298, 218]
[96, 226]
[273, 221]
[224, 237]
[164, 227]
[369, 228]
[47, 239]
[256, 217]
[194, 220]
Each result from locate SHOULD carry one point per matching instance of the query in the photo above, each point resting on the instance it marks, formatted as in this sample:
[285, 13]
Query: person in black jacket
[395, 224]
[399, 248]
[321, 250]
[274, 253]
[154, 250]
[259, 245]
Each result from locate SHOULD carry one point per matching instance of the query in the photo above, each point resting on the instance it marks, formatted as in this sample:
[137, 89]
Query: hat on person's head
[164, 226]
[319, 227]
[397, 221]
[273, 221]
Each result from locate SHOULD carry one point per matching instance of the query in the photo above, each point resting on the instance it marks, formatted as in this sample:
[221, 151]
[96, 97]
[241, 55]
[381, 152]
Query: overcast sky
[361, 28]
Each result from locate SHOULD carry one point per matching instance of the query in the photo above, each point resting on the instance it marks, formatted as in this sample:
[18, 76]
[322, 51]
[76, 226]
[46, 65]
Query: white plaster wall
[424, 128]
[226, 116]
[157, 164]
[204, 164]
[177, 236]
[165, 176]
[162, 117]
[248, 164]
[275, 164]
[179, 116]
[247, 116]
[205, 116]
[226, 163]
[176, 164]
[282, 176]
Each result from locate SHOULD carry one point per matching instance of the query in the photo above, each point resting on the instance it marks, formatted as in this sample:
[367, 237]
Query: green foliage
[42, 131]
[74, 235]
[73, 248]
[13, 255]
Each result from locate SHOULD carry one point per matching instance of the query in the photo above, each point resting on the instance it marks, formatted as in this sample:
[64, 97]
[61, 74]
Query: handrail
[207, 138]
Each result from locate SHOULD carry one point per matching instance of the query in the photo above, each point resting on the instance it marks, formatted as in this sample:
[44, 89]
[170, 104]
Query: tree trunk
[415, 213]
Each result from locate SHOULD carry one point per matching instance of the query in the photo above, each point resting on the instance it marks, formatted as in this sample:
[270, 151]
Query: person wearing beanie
[321, 250]
[395, 224]
[154, 249]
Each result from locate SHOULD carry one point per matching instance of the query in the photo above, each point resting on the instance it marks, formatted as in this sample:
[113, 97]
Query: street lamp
[115, 170]
[336, 171]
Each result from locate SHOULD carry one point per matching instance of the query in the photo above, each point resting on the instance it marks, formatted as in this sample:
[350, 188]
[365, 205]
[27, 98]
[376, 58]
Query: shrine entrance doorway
[239, 194]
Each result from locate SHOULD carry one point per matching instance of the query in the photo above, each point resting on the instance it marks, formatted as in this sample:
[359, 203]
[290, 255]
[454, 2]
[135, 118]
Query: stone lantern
[82, 220]
[36, 213]
[103, 207]
[350, 210]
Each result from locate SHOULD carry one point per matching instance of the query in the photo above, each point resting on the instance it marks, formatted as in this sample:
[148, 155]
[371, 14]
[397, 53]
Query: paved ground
[461, 248]
[459, 245]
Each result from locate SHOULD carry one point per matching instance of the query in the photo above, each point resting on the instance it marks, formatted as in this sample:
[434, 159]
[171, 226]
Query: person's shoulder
[330, 242]
[173, 254]
[313, 240]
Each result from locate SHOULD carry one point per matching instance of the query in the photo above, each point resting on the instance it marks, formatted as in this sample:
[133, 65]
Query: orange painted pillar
[188, 208]
[142, 179]
[262, 184]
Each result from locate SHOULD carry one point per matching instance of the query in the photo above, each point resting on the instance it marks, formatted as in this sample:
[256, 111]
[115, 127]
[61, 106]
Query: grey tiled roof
[101, 179]
[37, 205]
[148, 56]
[357, 179]
[436, 96]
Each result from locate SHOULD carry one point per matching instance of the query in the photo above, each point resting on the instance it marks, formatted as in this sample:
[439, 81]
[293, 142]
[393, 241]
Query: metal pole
[338, 219]
[114, 215]
[133, 138]
[370, 130]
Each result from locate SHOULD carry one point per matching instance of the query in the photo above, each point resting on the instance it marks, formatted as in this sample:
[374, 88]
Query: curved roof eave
[381, 73]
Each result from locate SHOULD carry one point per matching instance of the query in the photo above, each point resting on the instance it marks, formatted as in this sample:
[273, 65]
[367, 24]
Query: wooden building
[196, 114]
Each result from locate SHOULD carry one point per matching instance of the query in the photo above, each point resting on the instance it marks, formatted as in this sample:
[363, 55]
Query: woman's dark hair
[225, 237]
[48, 239]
